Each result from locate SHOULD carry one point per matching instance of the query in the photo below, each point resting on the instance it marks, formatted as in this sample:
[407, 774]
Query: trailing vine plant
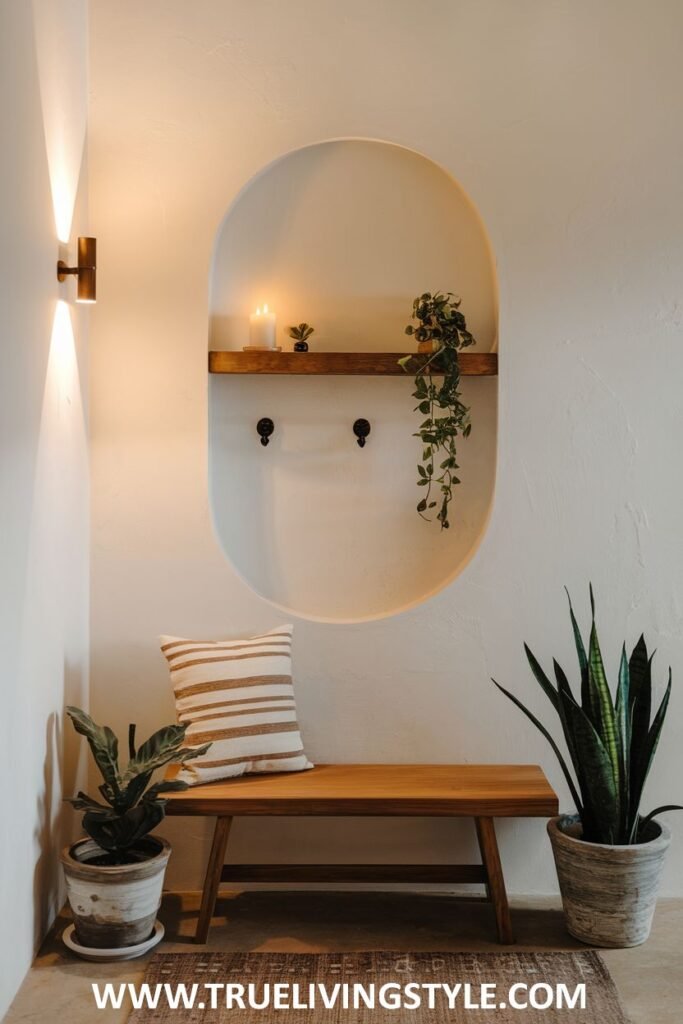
[442, 331]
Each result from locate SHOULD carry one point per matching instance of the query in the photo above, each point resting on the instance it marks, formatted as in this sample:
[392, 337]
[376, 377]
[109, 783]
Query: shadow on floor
[336, 921]
[649, 978]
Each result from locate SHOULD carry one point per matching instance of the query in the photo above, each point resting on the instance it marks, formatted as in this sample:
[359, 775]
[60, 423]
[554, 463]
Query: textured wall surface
[561, 122]
[44, 464]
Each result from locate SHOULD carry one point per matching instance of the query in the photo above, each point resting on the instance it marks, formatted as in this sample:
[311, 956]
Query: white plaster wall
[561, 121]
[43, 464]
[344, 235]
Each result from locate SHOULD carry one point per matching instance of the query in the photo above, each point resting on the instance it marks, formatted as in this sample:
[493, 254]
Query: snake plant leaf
[623, 718]
[601, 795]
[564, 690]
[544, 732]
[640, 694]
[563, 684]
[611, 743]
[622, 704]
[601, 697]
[103, 744]
[657, 811]
[542, 679]
[581, 654]
[646, 753]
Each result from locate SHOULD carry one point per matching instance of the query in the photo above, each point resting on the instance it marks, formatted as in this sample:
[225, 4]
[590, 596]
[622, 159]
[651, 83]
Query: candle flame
[265, 308]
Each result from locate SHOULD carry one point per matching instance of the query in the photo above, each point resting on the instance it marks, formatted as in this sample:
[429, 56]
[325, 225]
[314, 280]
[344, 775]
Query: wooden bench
[481, 792]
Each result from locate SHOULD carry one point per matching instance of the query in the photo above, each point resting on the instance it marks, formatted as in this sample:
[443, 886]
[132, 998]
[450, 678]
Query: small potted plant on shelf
[301, 334]
[609, 856]
[115, 876]
[441, 332]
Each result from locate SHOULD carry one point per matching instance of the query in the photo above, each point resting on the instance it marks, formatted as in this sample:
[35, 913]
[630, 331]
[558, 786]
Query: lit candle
[262, 329]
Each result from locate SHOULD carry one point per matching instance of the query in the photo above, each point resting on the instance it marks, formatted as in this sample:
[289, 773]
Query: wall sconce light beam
[86, 271]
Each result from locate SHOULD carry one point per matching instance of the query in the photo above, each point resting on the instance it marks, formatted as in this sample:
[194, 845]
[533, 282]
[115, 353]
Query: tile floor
[649, 978]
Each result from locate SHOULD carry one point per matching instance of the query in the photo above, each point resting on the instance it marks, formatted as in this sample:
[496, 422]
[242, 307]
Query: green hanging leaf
[437, 319]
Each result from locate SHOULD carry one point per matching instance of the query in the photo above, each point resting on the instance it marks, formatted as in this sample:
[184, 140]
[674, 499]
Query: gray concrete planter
[114, 907]
[608, 892]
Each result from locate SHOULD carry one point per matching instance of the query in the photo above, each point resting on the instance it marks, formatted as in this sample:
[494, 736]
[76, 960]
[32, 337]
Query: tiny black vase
[301, 346]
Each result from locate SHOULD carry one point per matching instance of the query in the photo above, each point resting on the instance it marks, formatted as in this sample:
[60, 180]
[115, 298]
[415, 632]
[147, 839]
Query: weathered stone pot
[608, 892]
[114, 907]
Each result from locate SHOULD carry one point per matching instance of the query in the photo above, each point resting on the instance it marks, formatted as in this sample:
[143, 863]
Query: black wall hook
[361, 429]
[264, 428]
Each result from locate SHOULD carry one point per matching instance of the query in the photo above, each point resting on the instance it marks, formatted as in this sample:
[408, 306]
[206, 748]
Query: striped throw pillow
[237, 695]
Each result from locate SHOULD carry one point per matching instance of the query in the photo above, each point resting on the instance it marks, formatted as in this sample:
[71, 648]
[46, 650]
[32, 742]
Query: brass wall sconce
[86, 270]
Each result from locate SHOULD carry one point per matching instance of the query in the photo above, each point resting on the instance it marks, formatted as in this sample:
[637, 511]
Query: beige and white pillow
[237, 695]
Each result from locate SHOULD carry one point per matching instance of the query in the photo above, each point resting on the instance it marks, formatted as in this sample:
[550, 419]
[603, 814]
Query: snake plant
[611, 741]
[132, 807]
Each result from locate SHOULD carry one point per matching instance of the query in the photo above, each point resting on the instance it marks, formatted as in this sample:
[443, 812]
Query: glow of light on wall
[61, 55]
[63, 198]
[63, 363]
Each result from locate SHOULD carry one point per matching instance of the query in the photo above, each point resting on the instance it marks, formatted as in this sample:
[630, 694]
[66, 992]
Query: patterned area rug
[375, 988]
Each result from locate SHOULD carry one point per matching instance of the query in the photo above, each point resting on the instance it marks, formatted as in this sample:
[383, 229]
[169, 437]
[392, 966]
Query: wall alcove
[343, 235]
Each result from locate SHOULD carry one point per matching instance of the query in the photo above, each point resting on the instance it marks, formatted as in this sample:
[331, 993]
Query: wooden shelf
[472, 364]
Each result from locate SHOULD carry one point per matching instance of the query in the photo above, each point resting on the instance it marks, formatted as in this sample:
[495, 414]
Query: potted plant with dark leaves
[301, 334]
[441, 332]
[114, 877]
[609, 855]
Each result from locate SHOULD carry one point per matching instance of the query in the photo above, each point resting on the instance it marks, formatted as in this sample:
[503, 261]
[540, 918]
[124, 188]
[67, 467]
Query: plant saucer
[111, 955]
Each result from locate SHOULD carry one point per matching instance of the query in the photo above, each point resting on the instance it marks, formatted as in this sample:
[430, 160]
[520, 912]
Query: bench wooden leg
[486, 834]
[212, 878]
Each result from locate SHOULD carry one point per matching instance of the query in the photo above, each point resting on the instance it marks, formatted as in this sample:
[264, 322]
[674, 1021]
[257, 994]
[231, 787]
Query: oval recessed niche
[343, 235]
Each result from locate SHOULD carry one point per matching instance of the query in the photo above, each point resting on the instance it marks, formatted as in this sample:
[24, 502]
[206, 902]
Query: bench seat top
[486, 790]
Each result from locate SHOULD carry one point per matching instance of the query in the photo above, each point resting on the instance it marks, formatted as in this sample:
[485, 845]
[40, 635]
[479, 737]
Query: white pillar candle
[262, 329]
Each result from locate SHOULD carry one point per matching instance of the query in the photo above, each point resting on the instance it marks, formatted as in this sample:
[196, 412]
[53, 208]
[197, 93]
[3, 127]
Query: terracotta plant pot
[114, 907]
[608, 892]
[426, 348]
